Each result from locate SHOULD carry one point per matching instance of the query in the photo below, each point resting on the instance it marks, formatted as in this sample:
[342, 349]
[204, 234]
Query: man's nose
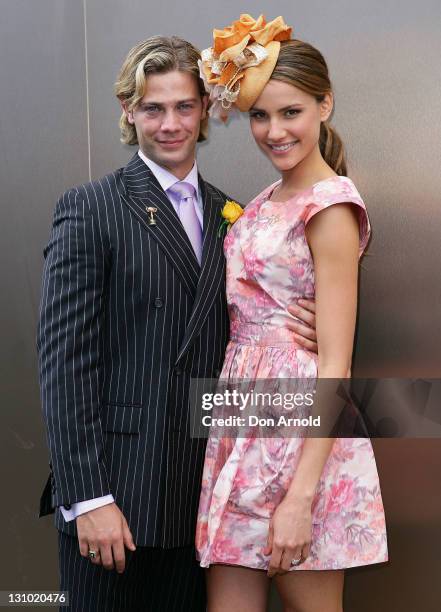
[170, 122]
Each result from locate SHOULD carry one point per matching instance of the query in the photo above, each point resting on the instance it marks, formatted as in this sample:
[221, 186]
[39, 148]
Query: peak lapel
[142, 190]
[212, 275]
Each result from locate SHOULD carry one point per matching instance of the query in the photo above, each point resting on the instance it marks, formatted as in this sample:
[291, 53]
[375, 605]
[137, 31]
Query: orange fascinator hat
[239, 64]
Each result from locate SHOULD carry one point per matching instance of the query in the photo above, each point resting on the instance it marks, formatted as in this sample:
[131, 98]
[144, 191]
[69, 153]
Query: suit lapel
[142, 190]
[213, 266]
[139, 190]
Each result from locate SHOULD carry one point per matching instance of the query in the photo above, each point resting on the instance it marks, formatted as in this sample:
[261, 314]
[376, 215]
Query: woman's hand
[289, 536]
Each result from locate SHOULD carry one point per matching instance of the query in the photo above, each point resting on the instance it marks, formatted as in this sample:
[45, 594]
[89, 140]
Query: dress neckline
[303, 191]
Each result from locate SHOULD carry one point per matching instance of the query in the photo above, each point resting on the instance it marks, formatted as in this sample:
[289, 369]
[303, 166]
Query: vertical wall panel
[43, 151]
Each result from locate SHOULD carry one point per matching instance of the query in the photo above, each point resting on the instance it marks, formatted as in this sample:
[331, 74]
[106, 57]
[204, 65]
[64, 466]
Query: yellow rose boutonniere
[230, 214]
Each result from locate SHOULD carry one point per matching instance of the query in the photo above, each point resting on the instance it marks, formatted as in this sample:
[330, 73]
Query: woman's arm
[333, 237]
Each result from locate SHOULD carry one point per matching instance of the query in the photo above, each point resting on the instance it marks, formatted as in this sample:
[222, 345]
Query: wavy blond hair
[158, 54]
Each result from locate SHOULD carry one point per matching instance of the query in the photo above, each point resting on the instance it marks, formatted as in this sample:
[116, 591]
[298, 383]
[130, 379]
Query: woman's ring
[295, 562]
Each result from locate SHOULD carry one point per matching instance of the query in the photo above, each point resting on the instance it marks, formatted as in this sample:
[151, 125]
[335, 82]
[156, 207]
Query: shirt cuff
[85, 506]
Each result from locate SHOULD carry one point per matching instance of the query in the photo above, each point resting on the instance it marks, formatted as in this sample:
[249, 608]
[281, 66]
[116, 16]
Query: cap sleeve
[339, 190]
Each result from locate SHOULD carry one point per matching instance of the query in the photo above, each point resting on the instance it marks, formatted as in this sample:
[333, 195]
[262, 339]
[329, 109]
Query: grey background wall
[58, 128]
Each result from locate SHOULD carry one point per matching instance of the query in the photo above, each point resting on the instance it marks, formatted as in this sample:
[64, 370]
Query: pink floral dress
[269, 266]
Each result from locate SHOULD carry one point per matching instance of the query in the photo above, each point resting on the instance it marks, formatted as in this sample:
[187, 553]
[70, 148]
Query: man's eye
[151, 110]
[185, 107]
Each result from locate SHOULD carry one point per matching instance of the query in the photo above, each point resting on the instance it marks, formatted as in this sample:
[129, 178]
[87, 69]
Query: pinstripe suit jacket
[127, 317]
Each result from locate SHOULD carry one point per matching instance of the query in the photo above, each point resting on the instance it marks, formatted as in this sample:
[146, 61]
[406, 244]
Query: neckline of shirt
[166, 179]
[272, 187]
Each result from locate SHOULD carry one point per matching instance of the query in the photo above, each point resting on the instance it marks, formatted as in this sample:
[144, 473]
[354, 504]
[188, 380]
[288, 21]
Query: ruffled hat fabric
[239, 64]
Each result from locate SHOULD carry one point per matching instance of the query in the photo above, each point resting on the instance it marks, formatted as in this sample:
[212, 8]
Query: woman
[293, 506]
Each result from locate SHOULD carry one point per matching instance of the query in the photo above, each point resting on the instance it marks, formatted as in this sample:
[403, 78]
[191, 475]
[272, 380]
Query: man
[133, 306]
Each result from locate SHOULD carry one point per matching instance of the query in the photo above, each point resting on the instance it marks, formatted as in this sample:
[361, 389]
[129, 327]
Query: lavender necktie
[185, 194]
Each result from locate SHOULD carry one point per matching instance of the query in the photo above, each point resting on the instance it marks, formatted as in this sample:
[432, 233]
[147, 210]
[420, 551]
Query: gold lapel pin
[151, 210]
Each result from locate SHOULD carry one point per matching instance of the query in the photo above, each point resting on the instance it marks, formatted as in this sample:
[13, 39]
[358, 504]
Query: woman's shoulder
[336, 189]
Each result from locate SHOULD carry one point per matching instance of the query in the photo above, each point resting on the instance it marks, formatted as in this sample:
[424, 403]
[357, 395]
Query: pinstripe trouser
[155, 580]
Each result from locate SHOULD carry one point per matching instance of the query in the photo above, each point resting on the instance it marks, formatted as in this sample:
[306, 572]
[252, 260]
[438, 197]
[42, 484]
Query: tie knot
[182, 190]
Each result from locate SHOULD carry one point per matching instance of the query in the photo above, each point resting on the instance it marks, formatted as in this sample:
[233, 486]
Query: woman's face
[285, 122]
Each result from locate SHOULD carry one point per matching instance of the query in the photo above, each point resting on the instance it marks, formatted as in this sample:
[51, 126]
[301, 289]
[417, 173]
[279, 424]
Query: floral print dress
[269, 266]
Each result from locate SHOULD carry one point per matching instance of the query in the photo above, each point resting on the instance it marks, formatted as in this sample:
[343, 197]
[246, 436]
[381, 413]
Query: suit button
[178, 371]
[158, 303]
[67, 506]
[217, 373]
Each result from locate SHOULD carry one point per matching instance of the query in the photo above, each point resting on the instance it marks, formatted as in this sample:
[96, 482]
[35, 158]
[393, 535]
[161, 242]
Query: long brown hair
[302, 65]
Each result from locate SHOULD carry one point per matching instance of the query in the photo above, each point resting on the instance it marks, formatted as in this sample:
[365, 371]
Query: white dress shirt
[166, 179]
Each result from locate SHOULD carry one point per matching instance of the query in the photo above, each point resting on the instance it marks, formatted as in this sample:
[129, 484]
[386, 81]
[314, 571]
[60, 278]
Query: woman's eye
[292, 112]
[257, 115]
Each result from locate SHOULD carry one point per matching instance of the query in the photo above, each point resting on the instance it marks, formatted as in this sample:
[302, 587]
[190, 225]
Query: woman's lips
[280, 149]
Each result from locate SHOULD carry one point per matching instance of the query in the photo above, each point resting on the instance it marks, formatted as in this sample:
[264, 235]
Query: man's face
[167, 120]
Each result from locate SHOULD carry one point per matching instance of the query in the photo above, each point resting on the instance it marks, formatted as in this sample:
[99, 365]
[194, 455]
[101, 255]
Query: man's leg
[93, 588]
[179, 581]
[155, 579]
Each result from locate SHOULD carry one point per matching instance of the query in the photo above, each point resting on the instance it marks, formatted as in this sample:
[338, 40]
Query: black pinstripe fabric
[127, 317]
[155, 580]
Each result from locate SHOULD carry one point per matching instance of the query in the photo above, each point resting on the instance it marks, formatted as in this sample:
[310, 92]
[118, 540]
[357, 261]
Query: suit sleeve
[68, 345]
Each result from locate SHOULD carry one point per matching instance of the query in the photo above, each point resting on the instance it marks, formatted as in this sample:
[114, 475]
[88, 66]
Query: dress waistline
[262, 334]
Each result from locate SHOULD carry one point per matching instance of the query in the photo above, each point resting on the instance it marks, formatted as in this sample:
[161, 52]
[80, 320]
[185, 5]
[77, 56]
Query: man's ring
[92, 554]
[295, 562]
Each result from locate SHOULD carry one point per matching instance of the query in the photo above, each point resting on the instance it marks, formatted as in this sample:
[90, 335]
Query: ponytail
[332, 149]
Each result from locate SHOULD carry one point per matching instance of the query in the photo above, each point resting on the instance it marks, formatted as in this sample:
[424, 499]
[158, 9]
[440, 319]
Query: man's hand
[305, 334]
[105, 531]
